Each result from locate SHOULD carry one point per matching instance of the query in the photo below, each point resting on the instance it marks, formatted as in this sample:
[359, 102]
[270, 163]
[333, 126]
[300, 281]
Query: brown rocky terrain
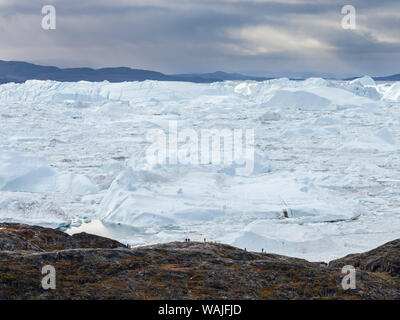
[92, 267]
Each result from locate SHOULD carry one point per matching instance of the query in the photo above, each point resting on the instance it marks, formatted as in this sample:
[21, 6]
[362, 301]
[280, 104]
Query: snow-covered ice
[326, 154]
[26, 173]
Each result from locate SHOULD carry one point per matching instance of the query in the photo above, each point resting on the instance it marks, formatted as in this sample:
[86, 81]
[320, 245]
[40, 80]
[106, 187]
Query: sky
[254, 37]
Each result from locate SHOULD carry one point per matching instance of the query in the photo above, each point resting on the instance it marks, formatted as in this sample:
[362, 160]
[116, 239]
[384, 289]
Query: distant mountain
[395, 77]
[7, 80]
[22, 71]
[220, 76]
[16, 71]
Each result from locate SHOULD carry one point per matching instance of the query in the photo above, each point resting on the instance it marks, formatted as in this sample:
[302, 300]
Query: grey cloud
[195, 36]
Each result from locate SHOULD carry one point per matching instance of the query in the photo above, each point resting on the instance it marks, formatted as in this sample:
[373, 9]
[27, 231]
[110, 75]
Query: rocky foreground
[92, 267]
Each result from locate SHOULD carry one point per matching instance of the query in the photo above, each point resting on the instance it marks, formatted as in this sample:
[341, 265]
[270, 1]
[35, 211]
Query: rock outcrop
[92, 267]
[384, 259]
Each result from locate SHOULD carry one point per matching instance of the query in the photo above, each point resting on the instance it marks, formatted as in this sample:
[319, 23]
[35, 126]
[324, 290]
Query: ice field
[73, 155]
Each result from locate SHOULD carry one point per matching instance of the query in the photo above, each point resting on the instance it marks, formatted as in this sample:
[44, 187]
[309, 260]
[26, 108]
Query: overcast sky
[257, 37]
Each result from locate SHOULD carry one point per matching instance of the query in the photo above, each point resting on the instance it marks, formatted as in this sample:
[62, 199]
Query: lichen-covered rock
[91, 267]
[17, 237]
[385, 258]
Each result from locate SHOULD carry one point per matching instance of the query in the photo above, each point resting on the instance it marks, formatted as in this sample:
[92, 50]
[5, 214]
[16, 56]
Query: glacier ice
[33, 209]
[326, 153]
[27, 173]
